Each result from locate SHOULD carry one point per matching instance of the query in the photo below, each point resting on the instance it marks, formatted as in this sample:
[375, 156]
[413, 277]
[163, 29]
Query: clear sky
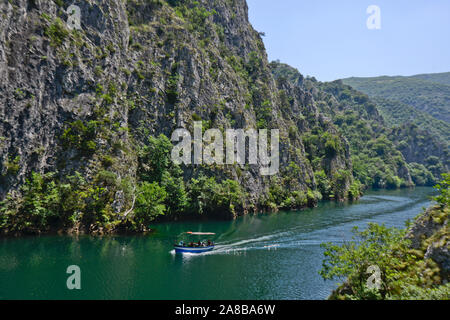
[329, 39]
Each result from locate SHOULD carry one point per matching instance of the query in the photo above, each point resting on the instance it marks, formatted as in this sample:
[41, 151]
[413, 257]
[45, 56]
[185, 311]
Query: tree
[207, 196]
[154, 158]
[176, 200]
[35, 209]
[149, 203]
[200, 194]
[444, 189]
[378, 246]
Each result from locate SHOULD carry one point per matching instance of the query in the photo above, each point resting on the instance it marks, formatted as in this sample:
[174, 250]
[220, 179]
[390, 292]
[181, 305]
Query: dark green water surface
[267, 256]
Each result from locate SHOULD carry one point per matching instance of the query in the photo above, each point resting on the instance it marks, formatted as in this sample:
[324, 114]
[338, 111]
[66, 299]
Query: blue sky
[329, 39]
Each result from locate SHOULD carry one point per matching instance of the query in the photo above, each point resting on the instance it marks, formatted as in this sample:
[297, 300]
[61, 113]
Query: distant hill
[398, 113]
[428, 93]
[381, 146]
[443, 78]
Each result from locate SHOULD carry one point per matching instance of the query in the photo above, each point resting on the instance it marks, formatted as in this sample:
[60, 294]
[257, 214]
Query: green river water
[266, 256]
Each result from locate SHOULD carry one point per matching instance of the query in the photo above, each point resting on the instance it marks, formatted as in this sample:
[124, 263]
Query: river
[265, 256]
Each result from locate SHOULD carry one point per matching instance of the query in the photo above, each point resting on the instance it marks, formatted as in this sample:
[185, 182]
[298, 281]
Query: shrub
[149, 203]
[332, 145]
[420, 175]
[32, 211]
[355, 190]
[154, 158]
[444, 189]
[12, 166]
[374, 246]
[393, 182]
[207, 196]
[56, 32]
[323, 184]
[172, 88]
[80, 136]
[176, 201]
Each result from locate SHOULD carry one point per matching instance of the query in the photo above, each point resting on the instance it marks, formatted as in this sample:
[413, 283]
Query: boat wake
[270, 242]
[302, 237]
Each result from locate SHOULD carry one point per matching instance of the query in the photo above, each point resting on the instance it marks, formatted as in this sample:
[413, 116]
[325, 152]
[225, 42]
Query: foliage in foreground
[405, 272]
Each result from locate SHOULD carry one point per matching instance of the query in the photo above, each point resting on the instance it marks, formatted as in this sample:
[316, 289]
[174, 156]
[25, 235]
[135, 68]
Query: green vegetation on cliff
[417, 108]
[382, 157]
[48, 203]
[376, 161]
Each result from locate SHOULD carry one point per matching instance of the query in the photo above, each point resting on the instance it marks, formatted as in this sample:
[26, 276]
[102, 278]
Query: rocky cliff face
[86, 100]
[430, 233]
[377, 161]
[49, 78]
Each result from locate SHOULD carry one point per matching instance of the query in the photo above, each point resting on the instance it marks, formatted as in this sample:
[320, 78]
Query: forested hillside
[382, 155]
[443, 77]
[420, 107]
[418, 92]
[396, 113]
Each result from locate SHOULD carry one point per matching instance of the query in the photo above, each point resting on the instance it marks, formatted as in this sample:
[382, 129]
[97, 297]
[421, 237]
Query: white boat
[195, 247]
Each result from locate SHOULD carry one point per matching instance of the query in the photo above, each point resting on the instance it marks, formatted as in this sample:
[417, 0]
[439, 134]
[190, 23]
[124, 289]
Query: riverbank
[263, 256]
[18, 226]
[122, 227]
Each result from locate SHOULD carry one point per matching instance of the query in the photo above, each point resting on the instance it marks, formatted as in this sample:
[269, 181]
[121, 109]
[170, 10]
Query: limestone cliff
[87, 100]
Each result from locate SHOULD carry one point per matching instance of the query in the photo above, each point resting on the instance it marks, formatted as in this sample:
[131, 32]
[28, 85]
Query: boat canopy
[201, 233]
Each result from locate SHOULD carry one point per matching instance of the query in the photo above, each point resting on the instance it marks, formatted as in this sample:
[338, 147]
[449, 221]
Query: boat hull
[179, 249]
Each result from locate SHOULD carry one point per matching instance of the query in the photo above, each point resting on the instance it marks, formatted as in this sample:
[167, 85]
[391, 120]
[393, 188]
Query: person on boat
[209, 243]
